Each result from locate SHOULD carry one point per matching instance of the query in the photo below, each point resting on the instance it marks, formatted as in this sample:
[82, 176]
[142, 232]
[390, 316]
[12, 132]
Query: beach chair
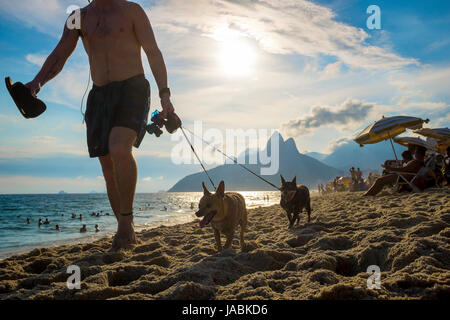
[401, 179]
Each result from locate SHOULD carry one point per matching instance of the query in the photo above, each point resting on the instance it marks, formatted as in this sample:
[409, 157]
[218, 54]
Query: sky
[311, 69]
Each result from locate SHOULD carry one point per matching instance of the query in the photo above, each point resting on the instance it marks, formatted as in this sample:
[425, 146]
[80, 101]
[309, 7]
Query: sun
[236, 57]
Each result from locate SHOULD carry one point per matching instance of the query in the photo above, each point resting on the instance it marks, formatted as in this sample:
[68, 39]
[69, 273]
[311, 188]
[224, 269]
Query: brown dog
[294, 198]
[225, 211]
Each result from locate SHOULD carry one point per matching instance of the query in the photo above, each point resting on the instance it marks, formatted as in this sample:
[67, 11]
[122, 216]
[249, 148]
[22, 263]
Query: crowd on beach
[419, 168]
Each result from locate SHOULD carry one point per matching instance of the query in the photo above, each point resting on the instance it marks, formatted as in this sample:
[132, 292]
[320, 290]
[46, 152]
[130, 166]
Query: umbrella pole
[395, 154]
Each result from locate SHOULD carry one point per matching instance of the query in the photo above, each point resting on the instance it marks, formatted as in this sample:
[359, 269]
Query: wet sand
[407, 236]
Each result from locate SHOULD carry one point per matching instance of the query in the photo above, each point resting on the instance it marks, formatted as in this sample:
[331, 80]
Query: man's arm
[56, 60]
[146, 38]
[412, 167]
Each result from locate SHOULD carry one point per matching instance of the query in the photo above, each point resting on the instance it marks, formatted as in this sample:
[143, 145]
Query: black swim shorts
[118, 104]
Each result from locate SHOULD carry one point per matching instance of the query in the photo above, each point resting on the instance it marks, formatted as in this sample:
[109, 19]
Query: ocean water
[17, 236]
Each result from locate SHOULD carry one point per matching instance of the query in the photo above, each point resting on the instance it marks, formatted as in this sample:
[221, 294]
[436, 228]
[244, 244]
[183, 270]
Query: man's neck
[103, 3]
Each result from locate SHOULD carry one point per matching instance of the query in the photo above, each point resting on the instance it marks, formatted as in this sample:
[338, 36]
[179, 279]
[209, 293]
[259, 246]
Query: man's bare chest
[111, 26]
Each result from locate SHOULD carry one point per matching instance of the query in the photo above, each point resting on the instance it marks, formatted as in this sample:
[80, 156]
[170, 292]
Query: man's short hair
[407, 154]
[421, 150]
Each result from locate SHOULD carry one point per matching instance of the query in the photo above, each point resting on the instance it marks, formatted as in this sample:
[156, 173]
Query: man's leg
[380, 183]
[111, 184]
[121, 142]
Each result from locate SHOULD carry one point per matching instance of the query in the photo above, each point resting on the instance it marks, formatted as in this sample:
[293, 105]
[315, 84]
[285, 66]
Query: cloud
[349, 111]
[47, 16]
[38, 146]
[279, 27]
[36, 59]
[336, 143]
[68, 87]
[39, 185]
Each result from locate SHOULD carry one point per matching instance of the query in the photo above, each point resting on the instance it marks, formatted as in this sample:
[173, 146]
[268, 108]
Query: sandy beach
[406, 235]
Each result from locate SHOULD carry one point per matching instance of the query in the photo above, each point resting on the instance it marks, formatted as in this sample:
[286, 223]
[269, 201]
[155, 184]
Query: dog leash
[223, 153]
[198, 158]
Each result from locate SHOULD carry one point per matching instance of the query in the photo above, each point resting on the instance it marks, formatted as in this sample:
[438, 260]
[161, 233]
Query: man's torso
[110, 41]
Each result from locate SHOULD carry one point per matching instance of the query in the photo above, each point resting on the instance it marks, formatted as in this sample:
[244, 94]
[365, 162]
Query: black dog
[294, 198]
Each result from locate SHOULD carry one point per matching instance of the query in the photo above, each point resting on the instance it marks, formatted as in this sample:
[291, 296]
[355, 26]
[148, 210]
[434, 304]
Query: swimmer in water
[81, 217]
[74, 215]
[46, 221]
[40, 223]
[83, 229]
[98, 214]
[96, 228]
[28, 220]
[57, 227]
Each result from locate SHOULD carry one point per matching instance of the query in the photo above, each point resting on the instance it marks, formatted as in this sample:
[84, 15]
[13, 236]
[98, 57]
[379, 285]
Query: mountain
[308, 170]
[368, 157]
[317, 155]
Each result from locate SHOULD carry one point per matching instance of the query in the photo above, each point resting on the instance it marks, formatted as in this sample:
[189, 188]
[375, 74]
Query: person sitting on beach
[406, 157]
[97, 228]
[409, 171]
[83, 229]
[28, 221]
[40, 222]
[57, 227]
[439, 167]
[447, 167]
[46, 221]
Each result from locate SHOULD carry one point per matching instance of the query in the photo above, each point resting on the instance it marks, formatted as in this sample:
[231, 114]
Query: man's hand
[166, 106]
[34, 87]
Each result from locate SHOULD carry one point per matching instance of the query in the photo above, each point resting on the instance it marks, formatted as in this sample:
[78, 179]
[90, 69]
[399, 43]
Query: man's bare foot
[125, 233]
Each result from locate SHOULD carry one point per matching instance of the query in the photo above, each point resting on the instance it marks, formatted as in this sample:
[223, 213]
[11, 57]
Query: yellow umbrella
[441, 134]
[406, 141]
[388, 128]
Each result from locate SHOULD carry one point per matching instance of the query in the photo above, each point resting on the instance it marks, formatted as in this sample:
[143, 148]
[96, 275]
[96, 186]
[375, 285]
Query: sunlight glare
[236, 57]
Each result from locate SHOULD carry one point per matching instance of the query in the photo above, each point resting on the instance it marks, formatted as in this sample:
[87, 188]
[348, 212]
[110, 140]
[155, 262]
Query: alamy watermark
[74, 20]
[74, 280]
[374, 20]
[374, 281]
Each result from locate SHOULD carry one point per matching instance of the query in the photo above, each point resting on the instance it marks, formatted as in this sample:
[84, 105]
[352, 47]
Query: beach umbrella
[388, 128]
[441, 134]
[406, 141]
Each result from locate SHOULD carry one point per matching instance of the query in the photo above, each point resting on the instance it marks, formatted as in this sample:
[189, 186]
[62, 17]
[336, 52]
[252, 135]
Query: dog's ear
[205, 189]
[221, 189]
[294, 180]
[283, 182]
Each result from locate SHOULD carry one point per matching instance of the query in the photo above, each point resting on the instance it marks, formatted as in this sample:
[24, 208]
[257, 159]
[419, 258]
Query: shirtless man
[113, 33]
